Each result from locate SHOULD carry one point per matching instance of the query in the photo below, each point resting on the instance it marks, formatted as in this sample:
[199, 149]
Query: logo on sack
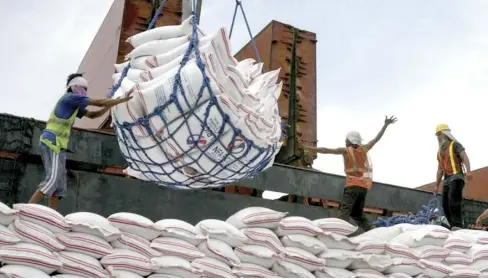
[195, 140]
[238, 147]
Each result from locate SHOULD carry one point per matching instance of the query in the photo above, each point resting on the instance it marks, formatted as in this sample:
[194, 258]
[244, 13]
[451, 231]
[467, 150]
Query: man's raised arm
[108, 102]
[388, 121]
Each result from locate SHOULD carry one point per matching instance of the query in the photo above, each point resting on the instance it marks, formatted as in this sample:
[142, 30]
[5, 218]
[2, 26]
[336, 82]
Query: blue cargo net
[432, 212]
[244, 158]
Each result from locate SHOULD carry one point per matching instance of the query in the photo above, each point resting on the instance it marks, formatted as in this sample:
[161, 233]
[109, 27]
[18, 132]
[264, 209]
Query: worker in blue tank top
[55, 138]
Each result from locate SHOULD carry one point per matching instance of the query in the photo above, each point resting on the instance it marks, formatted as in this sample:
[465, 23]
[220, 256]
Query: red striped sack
[174, 267]
[22, 271]
[84, 243]
[290, 270]
[91, 223]
[219, 250]
[33, 233]
[212, 268]
[122, 273]
[179, 229]
[302, 258]
[248, 270]
[135, 243]
[30, 255]
[171, 246]
[122, 259]
[305, 242]
[81, 265]
[256, 217]
[263, 237]
[7, 237]
[134, 224]
[335, 225]
[297, 225]
[43, 216]
[258, 255]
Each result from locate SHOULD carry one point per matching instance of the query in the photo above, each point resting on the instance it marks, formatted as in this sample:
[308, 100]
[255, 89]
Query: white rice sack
[120, 67]
[30, 255]
[337, 241]
[221, 230]
[256, 217]
[335, 225]
[431, 252]
[84, 243]
[399, 275]
[422, 236]
[305, 242]
[479, 255]
[175, 267]
[135, 243]
[401, 251]
[122, 259]
[458, 258]
[64, 275]
[158, 47]
[405, 266]
[338, 258]
[369, 261]
[7, 214]
[383, 233]
[248, 270]
[21, 271]
[115, 273]
[464, 273]
[258, 255]
[91, 223]
[461, 242]
[263, 237]
[302, 258]
[290, 270]
[81, 265]
[212, 268]
[7, 237]
[368, 246]
[171, 246]
[482, 236]
[179, 229]
[134, 224]
[297, 225]
[43, 216]
[36, 234]
[368, 273]
[214, 248]
[435, 269]
[334, 272]
[162, 33]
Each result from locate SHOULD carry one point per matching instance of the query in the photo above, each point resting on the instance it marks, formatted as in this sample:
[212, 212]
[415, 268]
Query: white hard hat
[354, 137]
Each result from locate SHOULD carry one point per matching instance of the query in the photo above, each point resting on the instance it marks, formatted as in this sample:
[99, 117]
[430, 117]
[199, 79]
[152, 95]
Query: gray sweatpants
[54, 185]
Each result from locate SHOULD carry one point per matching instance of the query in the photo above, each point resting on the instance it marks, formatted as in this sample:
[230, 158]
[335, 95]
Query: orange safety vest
[450, 163]
[357, 167]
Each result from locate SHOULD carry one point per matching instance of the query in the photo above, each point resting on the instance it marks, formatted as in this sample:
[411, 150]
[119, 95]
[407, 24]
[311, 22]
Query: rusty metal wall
[294, 51]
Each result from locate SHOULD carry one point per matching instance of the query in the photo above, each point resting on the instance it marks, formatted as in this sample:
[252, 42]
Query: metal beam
[94, 150]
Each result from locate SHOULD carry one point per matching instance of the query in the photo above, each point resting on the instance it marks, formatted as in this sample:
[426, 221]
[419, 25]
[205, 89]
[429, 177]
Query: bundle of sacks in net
[38, 242]
[196, 119]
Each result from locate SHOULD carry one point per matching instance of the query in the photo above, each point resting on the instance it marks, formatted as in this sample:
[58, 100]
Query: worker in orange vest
[451, 157]
[359, 173]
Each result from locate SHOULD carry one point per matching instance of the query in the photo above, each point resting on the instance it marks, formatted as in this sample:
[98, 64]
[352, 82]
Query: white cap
[81, 81]
[354, 137]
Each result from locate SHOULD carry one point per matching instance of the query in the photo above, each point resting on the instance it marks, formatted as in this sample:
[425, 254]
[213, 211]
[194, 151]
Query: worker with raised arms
[359, 173]
[55, 138]
[451, 158]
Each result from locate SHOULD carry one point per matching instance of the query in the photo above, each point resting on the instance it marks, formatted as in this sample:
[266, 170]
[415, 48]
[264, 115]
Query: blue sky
[424, 61]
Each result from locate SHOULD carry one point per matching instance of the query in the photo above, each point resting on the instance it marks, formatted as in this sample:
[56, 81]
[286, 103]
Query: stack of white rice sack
[38, 242]
[246, 95]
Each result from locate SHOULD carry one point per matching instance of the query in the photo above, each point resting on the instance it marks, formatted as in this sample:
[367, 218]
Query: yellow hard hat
[441, 127]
